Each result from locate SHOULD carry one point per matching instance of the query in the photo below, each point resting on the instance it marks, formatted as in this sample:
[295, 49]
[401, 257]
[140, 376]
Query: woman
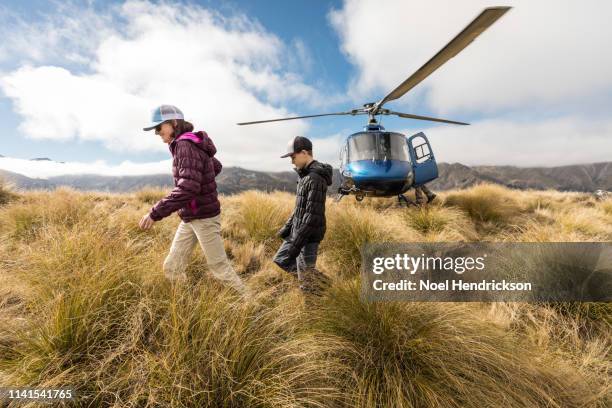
[194, 197]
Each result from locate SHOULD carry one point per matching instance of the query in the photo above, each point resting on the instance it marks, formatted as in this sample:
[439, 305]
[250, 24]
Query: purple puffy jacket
[194, 168]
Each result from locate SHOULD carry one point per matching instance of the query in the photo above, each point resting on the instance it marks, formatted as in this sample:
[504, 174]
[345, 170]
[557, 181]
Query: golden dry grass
[83, 303]
[6, 194]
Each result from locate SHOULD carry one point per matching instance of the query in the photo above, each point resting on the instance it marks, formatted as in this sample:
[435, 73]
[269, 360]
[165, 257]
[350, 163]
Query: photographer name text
[410, 265]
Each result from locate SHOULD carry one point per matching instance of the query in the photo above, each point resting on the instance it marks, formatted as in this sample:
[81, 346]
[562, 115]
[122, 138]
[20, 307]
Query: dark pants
[303, 266]
[418, 192]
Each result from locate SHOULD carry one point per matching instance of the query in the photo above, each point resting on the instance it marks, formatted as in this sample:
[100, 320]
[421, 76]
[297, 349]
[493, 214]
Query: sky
[79, 79]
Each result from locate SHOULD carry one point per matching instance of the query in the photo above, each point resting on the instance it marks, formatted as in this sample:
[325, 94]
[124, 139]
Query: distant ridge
[580, 177]
[23, 182]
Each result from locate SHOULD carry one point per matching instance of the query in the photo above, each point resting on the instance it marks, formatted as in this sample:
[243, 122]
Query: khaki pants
[208, 232]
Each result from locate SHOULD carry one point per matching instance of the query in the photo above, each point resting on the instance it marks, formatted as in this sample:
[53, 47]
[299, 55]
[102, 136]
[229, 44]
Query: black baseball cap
[296, 145]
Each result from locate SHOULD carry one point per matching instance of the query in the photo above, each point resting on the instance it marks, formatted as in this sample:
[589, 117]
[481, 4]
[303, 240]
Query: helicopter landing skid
[404, 201]
[342, 191]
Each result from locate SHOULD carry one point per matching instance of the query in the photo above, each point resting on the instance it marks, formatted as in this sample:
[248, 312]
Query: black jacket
[307, 223]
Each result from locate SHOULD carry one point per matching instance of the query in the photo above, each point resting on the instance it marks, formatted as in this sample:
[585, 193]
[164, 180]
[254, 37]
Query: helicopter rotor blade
[411, 116]
[483, 21]
[353, 112]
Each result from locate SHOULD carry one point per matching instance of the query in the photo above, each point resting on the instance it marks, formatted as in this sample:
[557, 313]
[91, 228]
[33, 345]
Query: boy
[305, 228]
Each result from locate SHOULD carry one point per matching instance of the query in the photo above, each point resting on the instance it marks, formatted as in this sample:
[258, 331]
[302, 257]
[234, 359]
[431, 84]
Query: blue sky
[77, 79]
[290, 21]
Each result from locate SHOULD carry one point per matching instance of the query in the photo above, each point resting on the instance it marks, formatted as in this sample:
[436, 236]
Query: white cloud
[538, 81]
[536, 86]
[541, 54]
[45, 169]
[219, 70]
[545, 142]
[68, 35]
[325, 149]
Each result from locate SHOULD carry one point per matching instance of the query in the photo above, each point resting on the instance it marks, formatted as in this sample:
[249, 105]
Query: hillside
[83, 302]
[586, 178]
[22, 182]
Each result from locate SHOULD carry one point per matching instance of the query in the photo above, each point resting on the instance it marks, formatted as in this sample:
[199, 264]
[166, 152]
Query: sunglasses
[158, 127]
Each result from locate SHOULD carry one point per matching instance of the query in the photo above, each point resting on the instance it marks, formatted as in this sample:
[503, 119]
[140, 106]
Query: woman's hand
[146, 222]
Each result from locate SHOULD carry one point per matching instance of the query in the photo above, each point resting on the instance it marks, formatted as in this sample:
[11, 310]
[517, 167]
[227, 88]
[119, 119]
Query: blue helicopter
[379, 163]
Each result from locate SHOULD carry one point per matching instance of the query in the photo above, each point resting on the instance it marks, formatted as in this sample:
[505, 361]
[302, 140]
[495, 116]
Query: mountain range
[581, 177]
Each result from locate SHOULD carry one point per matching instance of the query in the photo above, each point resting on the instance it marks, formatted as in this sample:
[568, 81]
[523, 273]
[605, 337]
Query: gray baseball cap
[163, 113]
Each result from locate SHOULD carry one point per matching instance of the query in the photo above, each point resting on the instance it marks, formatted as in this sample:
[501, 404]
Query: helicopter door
[423, 161]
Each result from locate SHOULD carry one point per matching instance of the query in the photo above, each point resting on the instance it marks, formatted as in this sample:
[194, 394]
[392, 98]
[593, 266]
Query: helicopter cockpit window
[421, 149]
[343, 154]
[393, 146]
[362, 147]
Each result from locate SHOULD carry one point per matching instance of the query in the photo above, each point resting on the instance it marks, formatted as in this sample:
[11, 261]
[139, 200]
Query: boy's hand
[294, 251]
[146, 222]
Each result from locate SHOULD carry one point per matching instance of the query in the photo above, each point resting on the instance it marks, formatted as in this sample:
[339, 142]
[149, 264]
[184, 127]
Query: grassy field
[84, 304]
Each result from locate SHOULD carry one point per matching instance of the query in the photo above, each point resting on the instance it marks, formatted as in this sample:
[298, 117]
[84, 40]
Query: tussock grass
[415, 354]
[532, 231]
[486, 203]
[150, 195]
[256, 216]
[247, 257]
[606, 207]
[63, 206]
[126, 342]
[572, 223]
[557, 331]
[590, 221]
[231, 353]
[441, 224]
[349, 228]
[6, 194]
[83, 302]
[597, 315]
